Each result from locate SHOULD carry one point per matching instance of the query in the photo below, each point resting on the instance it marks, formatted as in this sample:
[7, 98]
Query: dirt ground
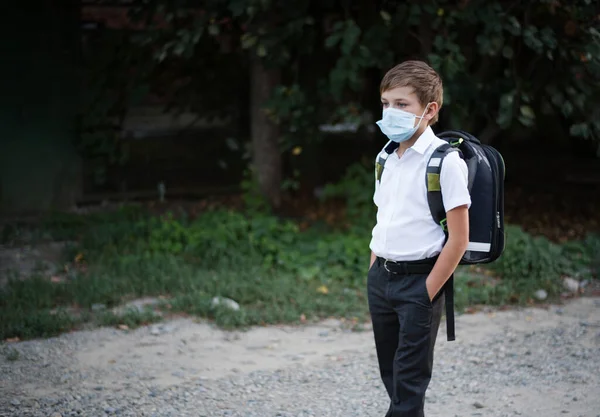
[551, 355]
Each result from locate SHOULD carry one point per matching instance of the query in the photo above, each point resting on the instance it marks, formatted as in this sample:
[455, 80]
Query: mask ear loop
[421, 117]
[425, 111]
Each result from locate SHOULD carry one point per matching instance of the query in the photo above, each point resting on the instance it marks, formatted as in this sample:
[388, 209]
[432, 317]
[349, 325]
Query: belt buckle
[386, 267]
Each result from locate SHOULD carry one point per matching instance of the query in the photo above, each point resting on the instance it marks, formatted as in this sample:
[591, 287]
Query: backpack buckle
[456, 142]
[444, 224]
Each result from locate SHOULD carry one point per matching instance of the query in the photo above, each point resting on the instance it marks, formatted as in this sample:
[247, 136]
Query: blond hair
[423, 79]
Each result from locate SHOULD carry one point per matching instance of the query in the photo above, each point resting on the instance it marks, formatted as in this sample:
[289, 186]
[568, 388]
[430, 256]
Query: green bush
[529, 263]
[528, 257]
[356, 189]
[275, 272]
[583, 257]
[226, 236]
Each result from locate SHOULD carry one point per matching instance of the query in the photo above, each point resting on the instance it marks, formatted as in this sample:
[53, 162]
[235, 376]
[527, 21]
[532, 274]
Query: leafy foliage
[527, 257]
[510, 69]
[529, 61]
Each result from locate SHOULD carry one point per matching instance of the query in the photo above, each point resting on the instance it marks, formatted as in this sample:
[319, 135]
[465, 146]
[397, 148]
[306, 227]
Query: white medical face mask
[399, 125]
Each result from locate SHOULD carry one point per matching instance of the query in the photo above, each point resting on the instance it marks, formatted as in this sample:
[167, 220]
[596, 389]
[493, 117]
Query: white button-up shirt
[405, 229]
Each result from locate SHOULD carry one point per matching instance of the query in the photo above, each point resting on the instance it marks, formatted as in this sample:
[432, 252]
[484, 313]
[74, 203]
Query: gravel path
[530, 362]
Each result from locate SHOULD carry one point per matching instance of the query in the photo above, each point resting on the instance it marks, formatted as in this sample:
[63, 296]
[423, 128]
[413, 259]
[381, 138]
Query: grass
[32, 308]
[274, 271]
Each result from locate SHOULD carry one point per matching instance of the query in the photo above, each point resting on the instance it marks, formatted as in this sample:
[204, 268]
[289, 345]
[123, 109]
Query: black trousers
[405, 325]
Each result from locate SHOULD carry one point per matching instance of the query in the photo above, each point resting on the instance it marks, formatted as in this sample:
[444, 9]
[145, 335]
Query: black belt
[425, 266]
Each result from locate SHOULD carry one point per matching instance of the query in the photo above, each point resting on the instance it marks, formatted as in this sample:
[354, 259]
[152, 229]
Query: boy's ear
[432, 109]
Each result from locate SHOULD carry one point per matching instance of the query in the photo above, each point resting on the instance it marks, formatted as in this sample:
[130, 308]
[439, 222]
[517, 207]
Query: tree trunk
[39, 167]
[266, 153]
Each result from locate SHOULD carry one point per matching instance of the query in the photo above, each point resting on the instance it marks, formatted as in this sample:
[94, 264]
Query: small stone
[98, 307]
[478, 405]
[167, 328]
[16, 402]
[324, 333]
[110, 410]
[226, 302]
[540, 295]
[571, 284]
[234, 336]
[139, 305]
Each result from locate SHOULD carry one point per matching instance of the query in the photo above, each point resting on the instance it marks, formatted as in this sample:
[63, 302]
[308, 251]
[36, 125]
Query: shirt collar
[424, 141]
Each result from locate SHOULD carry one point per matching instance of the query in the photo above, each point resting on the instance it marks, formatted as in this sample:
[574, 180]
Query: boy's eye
[384, 105]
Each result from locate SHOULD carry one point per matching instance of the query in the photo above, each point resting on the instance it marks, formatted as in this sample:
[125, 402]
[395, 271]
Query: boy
[409, 261]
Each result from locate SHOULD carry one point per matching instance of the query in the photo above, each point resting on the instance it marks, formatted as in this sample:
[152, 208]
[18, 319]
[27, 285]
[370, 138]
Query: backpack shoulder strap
[434, 188]
[382, 157]
[436, 206]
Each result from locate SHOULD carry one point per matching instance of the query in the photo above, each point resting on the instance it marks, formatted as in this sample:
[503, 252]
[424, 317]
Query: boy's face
[404, 98]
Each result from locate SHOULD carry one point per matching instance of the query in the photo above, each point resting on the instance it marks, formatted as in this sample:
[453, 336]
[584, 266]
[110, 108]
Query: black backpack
[486, 173]
[486, 186]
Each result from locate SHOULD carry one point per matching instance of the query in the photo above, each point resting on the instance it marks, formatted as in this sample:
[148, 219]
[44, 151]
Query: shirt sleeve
[454, 182]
